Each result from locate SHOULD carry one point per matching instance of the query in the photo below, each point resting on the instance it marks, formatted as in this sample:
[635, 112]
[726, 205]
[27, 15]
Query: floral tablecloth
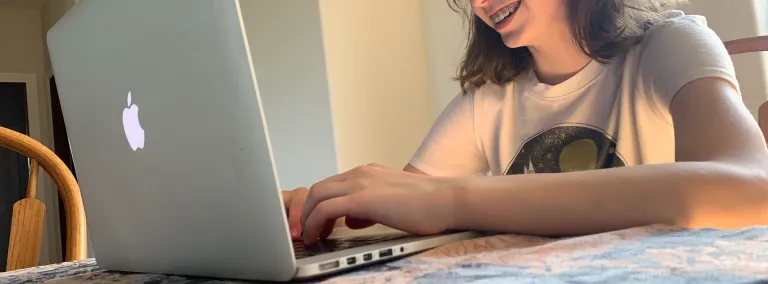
[653, 254]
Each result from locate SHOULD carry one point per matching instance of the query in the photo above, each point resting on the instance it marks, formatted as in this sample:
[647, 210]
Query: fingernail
[294, 233]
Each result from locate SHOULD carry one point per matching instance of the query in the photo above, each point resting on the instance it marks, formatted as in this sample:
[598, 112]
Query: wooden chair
[27, 221]
[746, 45]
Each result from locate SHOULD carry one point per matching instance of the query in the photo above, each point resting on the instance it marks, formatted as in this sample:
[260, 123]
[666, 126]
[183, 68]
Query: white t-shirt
[605, 116]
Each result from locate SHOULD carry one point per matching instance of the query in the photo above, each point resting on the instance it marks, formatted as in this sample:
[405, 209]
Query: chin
[513, 40]
[514, 35]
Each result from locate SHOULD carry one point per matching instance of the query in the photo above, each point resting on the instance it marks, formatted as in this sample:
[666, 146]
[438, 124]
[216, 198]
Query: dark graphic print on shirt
[566, 148]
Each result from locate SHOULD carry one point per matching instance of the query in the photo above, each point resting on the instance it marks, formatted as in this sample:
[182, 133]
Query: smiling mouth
[505, 13]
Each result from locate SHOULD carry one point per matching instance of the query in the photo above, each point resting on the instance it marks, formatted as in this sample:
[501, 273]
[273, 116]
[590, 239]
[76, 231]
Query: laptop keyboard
[330, 245]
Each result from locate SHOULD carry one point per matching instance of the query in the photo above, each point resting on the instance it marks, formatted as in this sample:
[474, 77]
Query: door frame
[37, 123]
[33, 115]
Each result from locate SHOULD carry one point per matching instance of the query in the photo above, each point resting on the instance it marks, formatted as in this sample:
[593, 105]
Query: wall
[378, 77]
[445, 33]
[22, 48]
[730, 19]
[341, 86]
[290, 70]
[21, 51]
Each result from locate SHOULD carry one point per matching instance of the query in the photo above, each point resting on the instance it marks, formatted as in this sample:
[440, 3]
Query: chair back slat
[26, 237]
[747, 45]
[32, 184]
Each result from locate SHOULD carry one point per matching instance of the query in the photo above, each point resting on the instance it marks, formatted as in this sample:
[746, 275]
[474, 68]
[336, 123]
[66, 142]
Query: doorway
[14, 167]
[61, 148]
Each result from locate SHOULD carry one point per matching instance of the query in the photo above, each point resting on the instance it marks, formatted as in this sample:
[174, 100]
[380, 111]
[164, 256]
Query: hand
[409, 202]
[294, 203]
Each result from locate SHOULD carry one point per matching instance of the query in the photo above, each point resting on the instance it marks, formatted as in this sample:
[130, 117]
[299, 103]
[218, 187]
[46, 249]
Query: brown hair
[602, 29]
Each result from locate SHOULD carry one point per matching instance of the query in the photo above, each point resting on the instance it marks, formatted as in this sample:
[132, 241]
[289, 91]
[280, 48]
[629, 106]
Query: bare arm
[719, 180]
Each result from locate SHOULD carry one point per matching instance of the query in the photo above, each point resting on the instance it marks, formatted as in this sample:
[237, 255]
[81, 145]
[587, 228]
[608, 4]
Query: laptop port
[385, 253]
[329, 265]
[367, 257]
[351, 260]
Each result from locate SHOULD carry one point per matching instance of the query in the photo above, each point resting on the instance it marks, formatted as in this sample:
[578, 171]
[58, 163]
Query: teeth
[504, 13]
[500, 16]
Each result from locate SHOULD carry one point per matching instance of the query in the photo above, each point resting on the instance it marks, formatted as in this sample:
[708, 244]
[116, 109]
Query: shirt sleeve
[451, 147]
[680, 50]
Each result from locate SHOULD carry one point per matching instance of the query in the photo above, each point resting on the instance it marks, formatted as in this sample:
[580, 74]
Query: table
[651, 254]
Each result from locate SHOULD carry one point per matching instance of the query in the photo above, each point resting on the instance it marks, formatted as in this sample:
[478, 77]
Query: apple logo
[131, 125]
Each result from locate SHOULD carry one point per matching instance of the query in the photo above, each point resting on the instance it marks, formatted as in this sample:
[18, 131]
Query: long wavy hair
[602, 29]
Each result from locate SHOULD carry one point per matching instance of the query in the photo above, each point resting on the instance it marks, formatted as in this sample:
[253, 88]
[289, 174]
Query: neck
[557, 61]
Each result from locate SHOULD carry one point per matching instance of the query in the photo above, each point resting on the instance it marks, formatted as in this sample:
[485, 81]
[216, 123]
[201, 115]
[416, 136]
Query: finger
[287, 196]
[322, 192]
[294, 211]
[326, 211]
[327, 229]
[356, 224]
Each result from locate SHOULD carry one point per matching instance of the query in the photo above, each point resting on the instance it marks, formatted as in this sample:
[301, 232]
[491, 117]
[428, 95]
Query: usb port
[351, 260]
[329, 265]
[385, 253]
[367, 257]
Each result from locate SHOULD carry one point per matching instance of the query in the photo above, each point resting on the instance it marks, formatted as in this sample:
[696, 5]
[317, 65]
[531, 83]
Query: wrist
[453, 194]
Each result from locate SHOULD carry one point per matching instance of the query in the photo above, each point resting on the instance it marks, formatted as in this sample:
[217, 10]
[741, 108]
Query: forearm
[690, 194]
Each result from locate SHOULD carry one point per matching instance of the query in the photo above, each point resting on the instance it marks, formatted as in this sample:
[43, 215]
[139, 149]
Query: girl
[575, 117]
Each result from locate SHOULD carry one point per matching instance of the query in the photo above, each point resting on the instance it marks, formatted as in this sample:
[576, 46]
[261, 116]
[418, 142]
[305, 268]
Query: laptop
[173, 155]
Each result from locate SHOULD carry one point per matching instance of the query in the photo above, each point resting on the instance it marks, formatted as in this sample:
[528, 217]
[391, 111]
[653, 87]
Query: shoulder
[490, 93]
[474, 107]
[480, 97]
[680, 47]
[674, 52]
[678, 34]
[676, 19]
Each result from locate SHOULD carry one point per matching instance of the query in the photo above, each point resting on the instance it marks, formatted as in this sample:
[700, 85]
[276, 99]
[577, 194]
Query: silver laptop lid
[168, 138]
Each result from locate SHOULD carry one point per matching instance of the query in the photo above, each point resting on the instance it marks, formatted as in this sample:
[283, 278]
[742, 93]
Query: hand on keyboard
[406, 201]
[294, 203]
